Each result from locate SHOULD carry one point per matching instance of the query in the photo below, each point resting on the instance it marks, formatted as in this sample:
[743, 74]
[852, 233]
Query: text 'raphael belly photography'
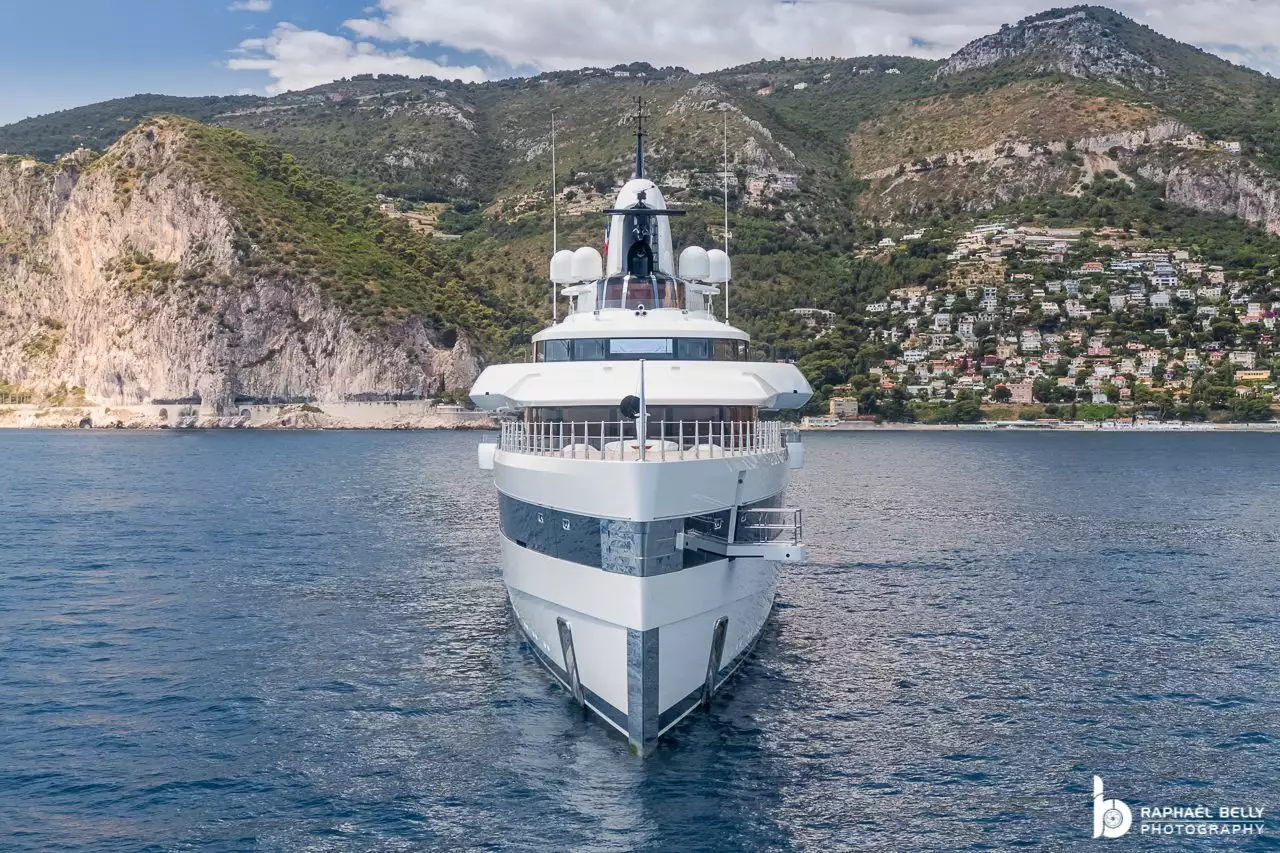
[672, 427]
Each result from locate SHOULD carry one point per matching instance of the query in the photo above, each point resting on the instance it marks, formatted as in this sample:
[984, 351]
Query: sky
[65, 53]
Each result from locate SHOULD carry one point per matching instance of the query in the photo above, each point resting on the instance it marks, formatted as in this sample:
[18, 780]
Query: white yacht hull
[607, 590]
[642, 682]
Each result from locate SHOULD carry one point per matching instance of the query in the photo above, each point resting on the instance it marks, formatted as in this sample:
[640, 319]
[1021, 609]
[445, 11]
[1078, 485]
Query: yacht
[640, 480]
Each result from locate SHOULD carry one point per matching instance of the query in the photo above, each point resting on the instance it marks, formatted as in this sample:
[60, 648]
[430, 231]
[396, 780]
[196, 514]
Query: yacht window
[693, 349]
[631, 349]
[556, 350]
[671, 415]
[634, 348]
[727, 350]
[590, 349]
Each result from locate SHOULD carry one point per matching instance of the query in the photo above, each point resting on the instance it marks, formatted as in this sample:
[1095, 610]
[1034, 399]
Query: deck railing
[781, 524]
[665, 440]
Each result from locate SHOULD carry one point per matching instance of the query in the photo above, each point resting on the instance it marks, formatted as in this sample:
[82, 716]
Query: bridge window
[693, 349]
[631, 349]
[590, 349]
[554, 351]
[634, 349]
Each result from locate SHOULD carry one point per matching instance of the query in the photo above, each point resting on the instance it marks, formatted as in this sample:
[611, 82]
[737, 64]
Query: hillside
[427, 140]
[196, 263]
[1075, 116]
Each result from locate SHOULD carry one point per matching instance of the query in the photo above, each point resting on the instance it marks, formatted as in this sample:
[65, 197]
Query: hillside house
[1023, 393]
[843, 408]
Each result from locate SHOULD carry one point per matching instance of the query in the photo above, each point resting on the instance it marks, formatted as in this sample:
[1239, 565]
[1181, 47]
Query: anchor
[713, 662]
[570, 659]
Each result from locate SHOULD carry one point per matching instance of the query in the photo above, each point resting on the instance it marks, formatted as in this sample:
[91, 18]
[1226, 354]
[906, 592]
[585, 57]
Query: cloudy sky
[64, 53]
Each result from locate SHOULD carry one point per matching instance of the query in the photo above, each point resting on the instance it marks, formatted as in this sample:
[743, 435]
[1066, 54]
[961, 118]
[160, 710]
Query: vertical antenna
[726, 209]
[555, 217]
[639, 137]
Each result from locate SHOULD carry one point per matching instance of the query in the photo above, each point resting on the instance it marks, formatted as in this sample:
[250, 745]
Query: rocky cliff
[128, 279]
[1218, 183]
[1072, 42]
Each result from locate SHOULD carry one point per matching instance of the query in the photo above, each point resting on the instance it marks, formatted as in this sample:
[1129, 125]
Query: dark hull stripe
[634, 548]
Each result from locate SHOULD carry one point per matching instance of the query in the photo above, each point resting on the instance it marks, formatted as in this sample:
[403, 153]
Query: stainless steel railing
[781, 524]
[665, 440]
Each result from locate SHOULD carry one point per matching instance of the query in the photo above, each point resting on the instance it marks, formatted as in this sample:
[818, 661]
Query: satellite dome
[587, 265]
[695, 264]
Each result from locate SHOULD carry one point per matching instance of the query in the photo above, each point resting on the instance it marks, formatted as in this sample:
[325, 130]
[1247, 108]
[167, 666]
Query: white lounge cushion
[581, 451]
[629, 450]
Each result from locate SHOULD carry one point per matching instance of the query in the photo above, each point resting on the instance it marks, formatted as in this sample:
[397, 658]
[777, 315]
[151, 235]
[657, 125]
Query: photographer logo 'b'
[1111, 818]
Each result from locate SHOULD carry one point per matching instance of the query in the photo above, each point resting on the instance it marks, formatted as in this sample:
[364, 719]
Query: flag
[606, 241]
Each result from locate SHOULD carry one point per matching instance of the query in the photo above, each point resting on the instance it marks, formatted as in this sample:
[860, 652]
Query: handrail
[665, 440]
[756, 531]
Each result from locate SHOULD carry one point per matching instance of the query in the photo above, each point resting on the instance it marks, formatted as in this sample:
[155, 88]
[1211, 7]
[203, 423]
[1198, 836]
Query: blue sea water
[299, 641]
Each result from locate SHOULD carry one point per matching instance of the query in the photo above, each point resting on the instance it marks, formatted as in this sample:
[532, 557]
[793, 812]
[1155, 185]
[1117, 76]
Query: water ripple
[300, 641]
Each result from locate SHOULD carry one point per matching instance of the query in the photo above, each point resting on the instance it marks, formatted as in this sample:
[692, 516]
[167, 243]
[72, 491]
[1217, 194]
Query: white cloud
[710, 34]
[250, 6]
[299, 59]
[703, 35]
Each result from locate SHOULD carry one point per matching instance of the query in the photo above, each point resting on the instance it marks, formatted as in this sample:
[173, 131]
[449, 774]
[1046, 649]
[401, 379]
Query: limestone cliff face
[1071, 42]
[1220, 183]
[119, 277]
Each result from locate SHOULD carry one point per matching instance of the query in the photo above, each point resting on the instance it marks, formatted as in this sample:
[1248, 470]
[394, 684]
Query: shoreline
[1064, 426]
[390, 415]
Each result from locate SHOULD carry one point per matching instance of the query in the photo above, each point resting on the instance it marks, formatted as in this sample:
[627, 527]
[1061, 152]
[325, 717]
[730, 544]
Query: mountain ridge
[829, 157]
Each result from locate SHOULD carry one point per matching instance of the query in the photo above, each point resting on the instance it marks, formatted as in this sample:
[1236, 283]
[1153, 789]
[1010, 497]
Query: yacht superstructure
[640, 491]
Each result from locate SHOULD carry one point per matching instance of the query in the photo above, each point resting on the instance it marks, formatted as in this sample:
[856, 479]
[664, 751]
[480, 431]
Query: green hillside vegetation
[99, 126]
[484, 150]
[294, 221]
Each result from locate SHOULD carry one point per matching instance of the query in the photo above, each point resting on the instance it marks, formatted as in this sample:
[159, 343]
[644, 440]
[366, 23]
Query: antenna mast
[639, 137]
[555, 216]
[726, 209]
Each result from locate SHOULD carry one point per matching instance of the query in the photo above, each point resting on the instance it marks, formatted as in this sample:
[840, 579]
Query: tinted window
[730, 350]
[590, 349]
[635, 348]
[554, 350]
[693, 349]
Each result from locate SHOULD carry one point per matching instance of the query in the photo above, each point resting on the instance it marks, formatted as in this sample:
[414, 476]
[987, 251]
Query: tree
[1250, 409]
[966, 411]
[1003, 394]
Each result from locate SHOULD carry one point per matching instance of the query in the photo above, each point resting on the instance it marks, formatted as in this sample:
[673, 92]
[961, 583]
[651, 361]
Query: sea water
[300, 641]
